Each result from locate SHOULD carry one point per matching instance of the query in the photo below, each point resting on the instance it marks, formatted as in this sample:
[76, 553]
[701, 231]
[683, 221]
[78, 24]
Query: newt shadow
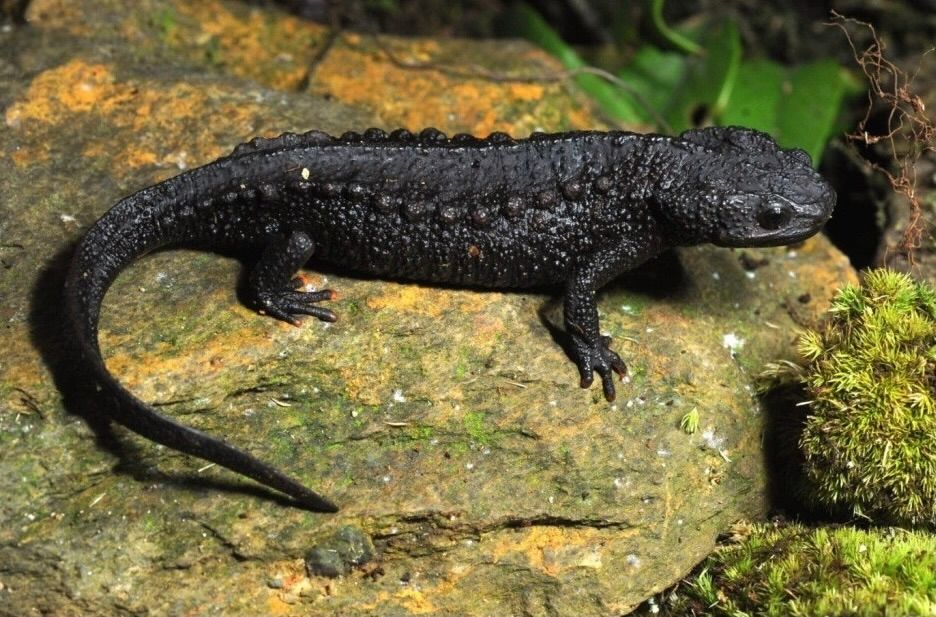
[49, 333]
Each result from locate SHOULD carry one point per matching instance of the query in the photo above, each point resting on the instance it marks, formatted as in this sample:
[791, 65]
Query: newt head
[748, 191]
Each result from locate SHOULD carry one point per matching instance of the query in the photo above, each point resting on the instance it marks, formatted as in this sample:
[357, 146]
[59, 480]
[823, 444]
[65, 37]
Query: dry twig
[907, 123]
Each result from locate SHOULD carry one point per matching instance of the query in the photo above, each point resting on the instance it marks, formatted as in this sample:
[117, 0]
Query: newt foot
[286, 303]
[598, 357]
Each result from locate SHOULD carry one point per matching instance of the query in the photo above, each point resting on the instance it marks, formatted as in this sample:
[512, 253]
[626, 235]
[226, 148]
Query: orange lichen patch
[415, 601]
[526, 92]
[813, 266]
[276, 606]
[821, 271]
[154, 120]
[66, 14]
[362, 76]
[31, 155]
[73, 87]
[420, 50]
[420, 601]
[580, 118]
[367, 379]
[274, 52]
[551, 549]
[485, 327]
[374, 82]
[412, 299]
[208, 357]
[163, 117]
[138, 158]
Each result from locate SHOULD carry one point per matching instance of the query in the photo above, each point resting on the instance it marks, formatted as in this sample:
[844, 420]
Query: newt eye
[774, 215]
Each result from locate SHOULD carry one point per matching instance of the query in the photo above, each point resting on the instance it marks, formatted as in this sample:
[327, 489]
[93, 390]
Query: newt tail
[129, 230]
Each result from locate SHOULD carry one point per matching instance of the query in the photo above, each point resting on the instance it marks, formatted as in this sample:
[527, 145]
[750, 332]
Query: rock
[336, 556]
[448, 424]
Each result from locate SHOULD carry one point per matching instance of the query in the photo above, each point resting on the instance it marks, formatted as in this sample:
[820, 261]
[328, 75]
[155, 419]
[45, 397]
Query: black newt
[573, 209]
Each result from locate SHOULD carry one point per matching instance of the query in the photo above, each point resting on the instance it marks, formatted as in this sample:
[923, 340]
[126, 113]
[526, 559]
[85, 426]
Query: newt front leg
[590, 349]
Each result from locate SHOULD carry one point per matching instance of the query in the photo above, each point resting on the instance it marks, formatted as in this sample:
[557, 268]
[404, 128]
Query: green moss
[409, 352]
[463, 364]
[630, 304]
[458, 448]
[165, 20]
[869, 440]
[637, 374]
[689, 423]
[151, 523]
[405, 436]
[352, 309]
[475, 425]
[795, 571]
[421, 433]
[212, 51]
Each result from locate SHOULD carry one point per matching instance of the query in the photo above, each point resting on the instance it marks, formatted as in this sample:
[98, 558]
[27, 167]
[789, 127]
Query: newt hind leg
[274, 290]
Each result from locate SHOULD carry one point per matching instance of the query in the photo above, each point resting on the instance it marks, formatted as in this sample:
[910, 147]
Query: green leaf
[652, 76]
[671, 36]
[711, 78]
[525, 22]
[798, 106]
[756, 96]
[809, 106]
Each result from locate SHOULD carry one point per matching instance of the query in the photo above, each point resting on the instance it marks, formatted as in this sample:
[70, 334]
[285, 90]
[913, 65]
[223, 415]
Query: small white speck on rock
[712, 440]
[732, 342]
